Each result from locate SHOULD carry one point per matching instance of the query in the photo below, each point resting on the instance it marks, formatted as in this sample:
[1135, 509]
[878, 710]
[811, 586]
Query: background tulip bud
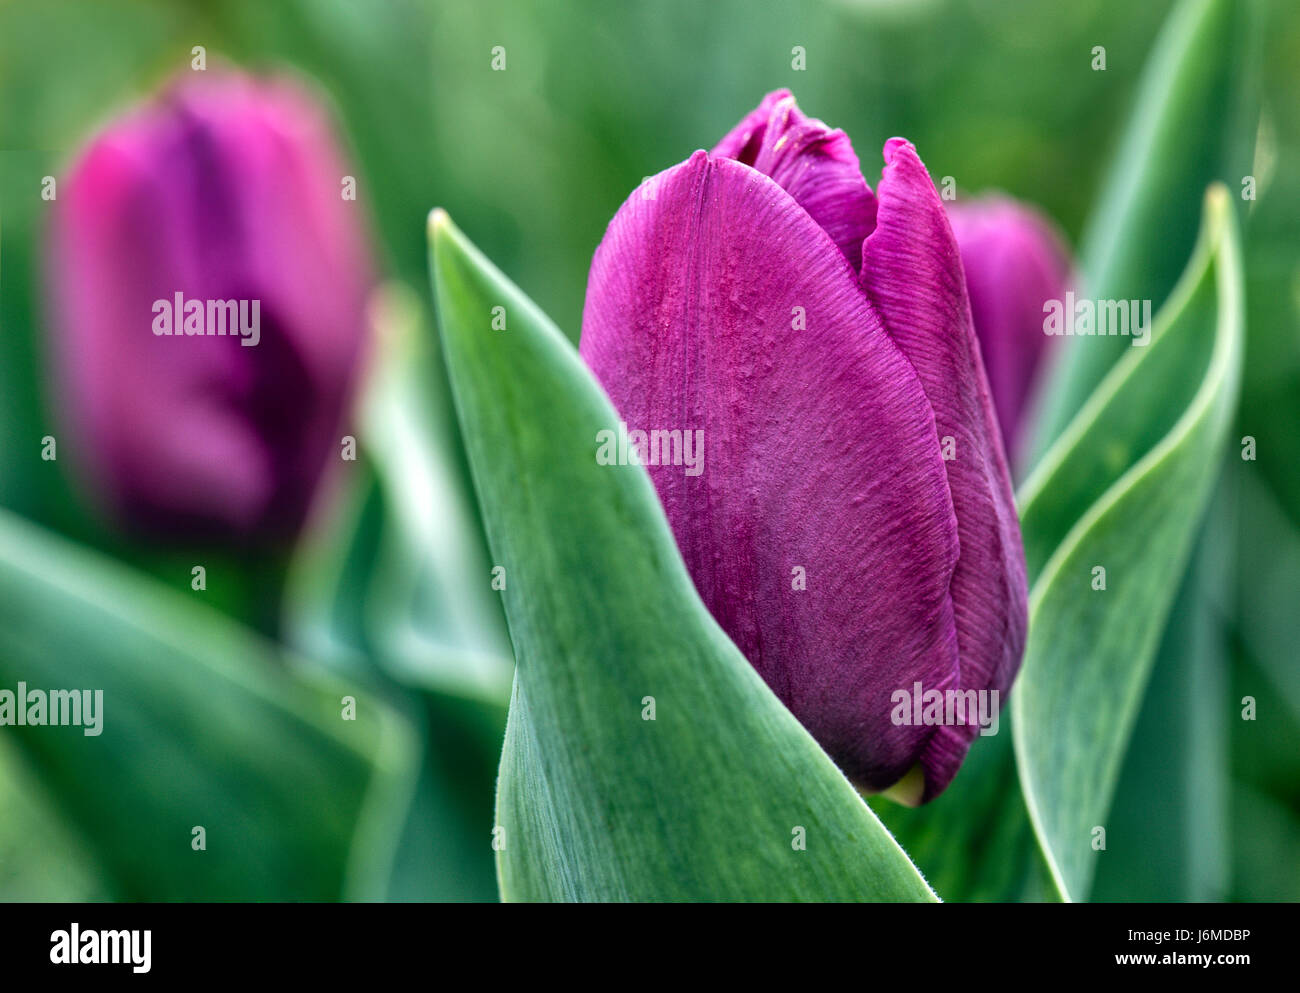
[1014, 262]
[223, 189]
[853, 528]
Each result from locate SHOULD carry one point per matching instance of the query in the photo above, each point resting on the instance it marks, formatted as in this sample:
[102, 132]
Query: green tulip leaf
[397, 575]
[645, 759]
[1175, 772]
[42, 858]
[1109, 518]
[1193, 122]
[200, 726]
[391, 585]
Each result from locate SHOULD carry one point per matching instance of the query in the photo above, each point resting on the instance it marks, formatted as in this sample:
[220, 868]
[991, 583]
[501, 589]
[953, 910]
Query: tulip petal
[118, 375]
[224, 189]
[1014, 263]
[912, 272]
[284, 225]
[813, 163]
[820, 452]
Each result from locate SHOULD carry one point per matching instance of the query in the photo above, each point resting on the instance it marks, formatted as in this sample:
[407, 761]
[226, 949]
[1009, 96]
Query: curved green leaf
[202, 726]
[1090, 650]
[723, 795]
[1167, 832]
[42, 858]
[1193, 122]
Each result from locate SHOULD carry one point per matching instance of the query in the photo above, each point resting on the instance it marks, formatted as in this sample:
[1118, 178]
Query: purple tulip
[851, 526]
[208, 284]
[1014, 262]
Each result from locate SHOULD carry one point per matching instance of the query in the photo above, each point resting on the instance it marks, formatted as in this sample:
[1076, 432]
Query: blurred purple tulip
[226, 189]
[852, 528]
[1014, 262]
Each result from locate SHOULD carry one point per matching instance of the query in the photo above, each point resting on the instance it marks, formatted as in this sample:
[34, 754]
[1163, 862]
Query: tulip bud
[1014, 263]
[208, 283]
[852, 527]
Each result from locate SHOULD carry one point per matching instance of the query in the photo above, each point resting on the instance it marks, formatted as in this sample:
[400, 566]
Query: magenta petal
[1014, 262]
[813, 163]
[820, 450]
[226, 187]
[912, 272]
[741, 142]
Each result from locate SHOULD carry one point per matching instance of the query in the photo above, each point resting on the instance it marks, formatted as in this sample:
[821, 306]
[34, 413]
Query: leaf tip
[439, 220]
[1218, 203]
[442, 232]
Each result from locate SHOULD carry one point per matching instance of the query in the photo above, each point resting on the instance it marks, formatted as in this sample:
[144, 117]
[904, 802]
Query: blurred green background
[533, 161]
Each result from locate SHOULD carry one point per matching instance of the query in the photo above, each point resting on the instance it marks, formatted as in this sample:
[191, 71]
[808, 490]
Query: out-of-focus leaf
[393, 585]
[399, 574]
[201, 727]
[28, 483]
[1269, 586]
[445, 851]
[1265, 801]
[1264, 864]
[1264, 706]
[1193, 122]
[723, 795]
[41, 857]
[1090, 649]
